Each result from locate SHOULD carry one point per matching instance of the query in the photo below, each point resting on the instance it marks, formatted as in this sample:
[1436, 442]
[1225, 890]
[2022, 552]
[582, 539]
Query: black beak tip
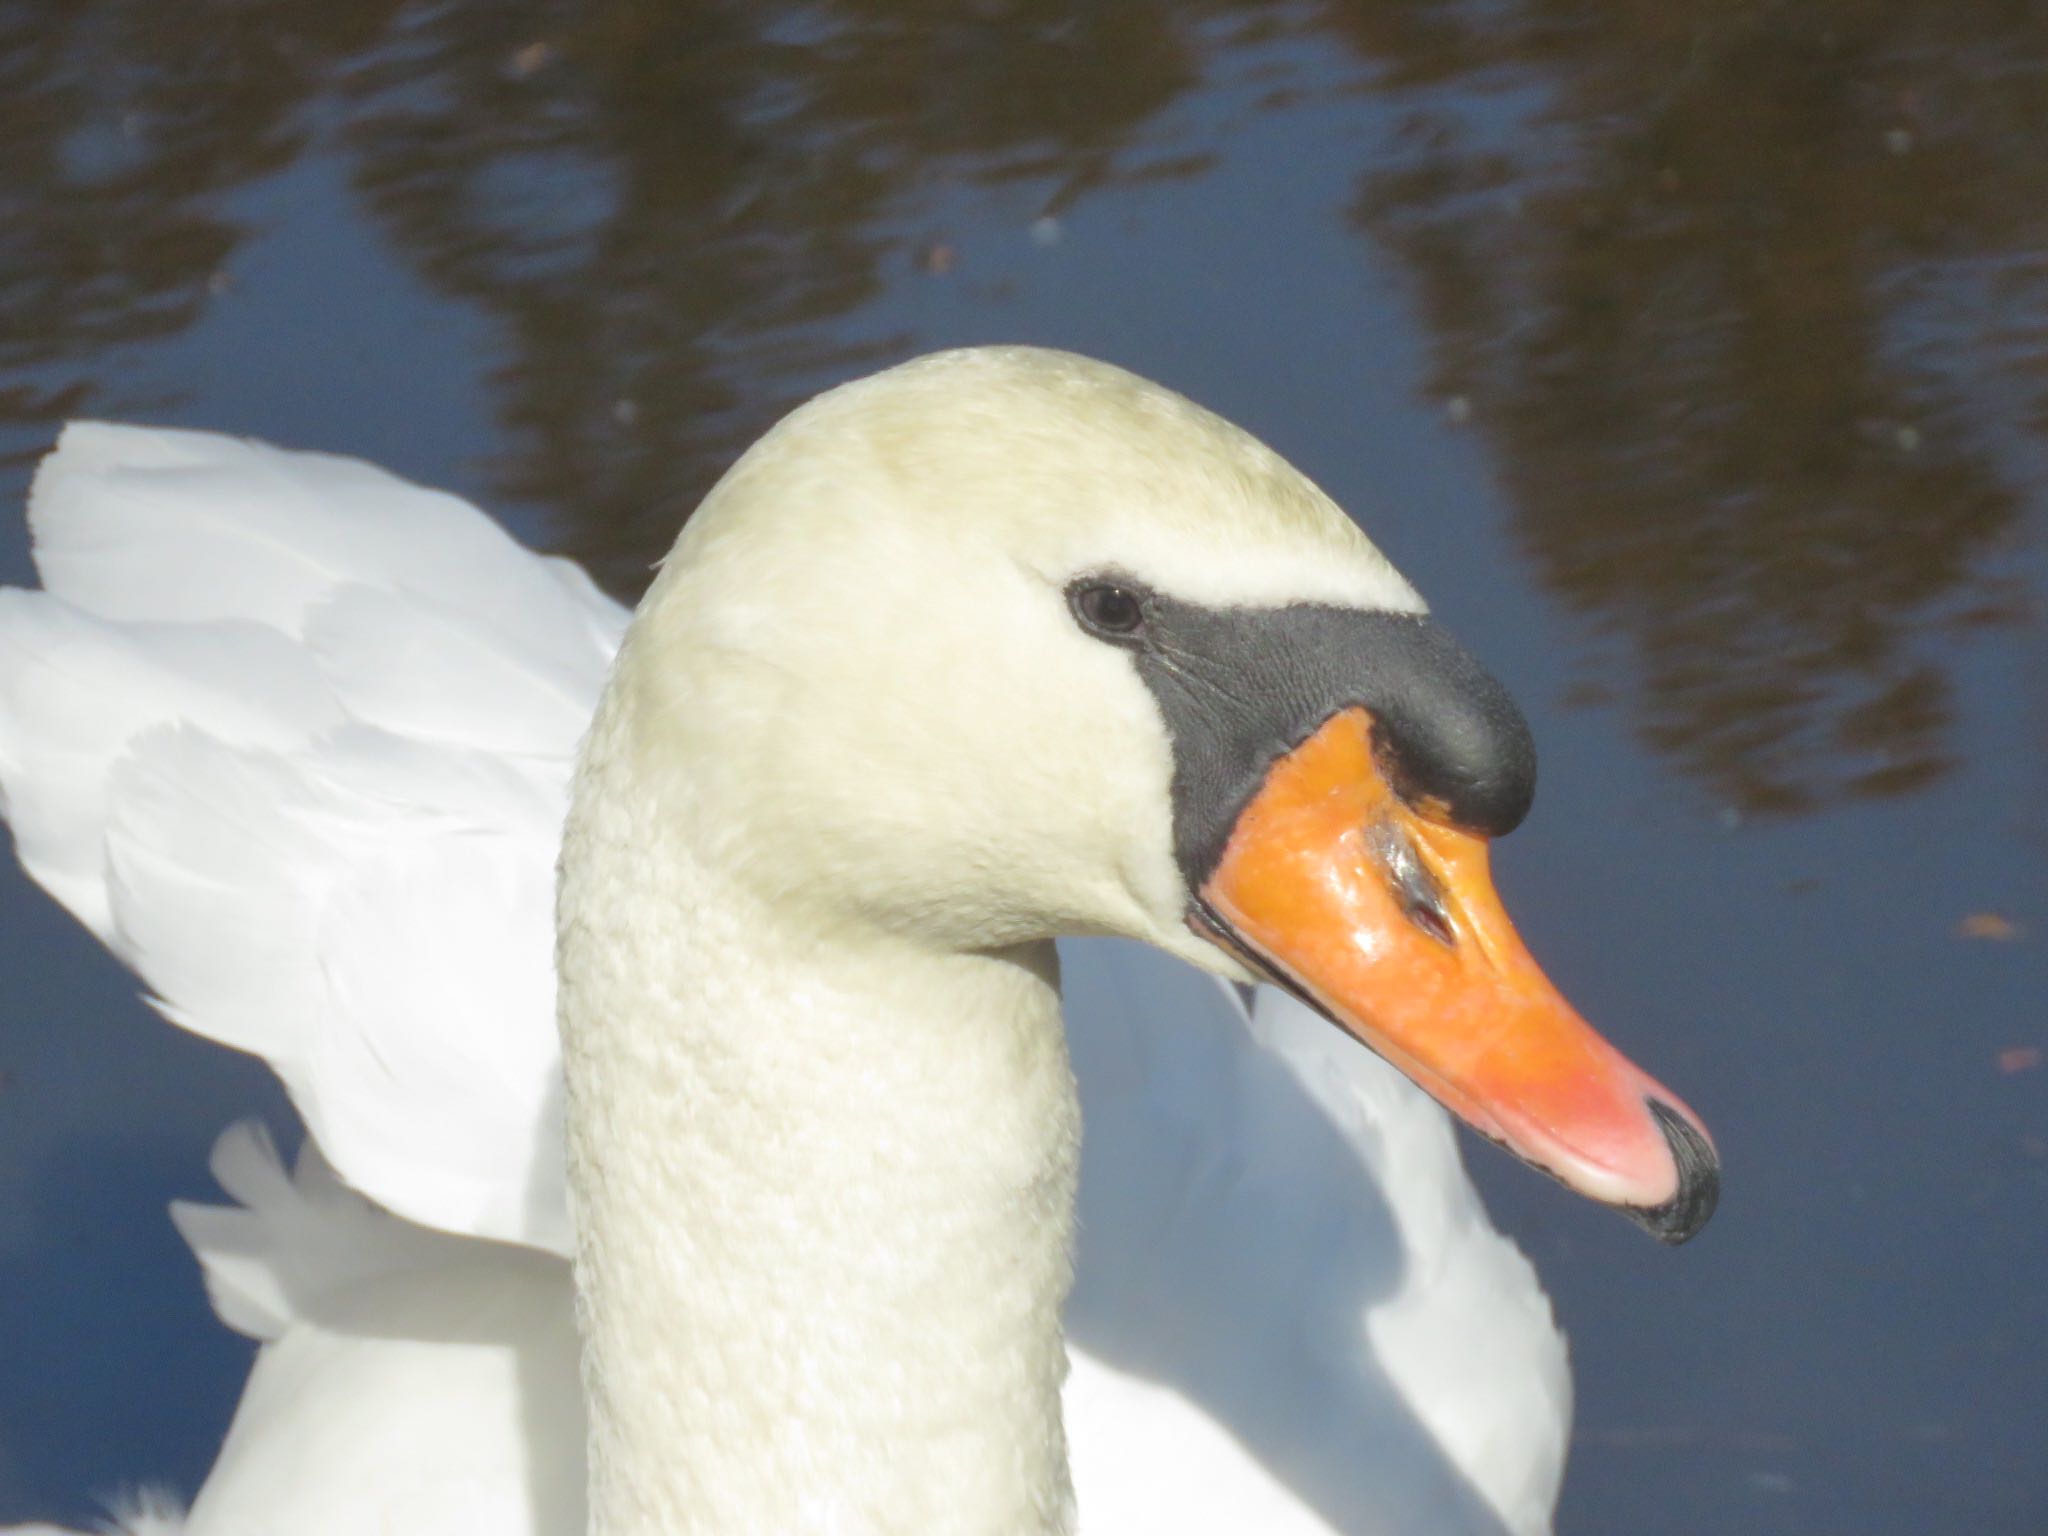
[1699, 1181]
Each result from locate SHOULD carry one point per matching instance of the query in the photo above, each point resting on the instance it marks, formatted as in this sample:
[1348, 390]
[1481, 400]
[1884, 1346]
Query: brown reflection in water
[121, 125]
[1738, 308]
[663, 203]
[1712, 304]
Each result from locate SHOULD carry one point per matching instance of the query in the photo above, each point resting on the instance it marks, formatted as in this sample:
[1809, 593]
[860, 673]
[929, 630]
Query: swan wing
[409, 1380]
[1277, 1236]
[147, 1512]
[293, 737]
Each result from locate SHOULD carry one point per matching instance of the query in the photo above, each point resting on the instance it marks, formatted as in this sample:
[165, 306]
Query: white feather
[145, 1512]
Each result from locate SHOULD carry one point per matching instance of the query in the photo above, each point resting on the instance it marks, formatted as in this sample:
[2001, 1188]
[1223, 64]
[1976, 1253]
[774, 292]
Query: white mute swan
[997, 646]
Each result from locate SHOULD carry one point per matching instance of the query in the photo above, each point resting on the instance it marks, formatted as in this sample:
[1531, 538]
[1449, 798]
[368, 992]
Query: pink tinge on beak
[1386, 918]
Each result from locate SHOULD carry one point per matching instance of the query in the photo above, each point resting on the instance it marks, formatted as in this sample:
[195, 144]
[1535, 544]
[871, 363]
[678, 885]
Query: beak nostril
[1416, 889]
[1426, 914]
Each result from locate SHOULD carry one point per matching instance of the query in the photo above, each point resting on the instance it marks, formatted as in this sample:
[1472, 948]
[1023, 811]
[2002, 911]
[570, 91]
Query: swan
[996, 647]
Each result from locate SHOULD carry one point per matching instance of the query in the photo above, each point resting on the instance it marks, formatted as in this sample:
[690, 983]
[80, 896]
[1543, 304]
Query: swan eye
[1108, 609]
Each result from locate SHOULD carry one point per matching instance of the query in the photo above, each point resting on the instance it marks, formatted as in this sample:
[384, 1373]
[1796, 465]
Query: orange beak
[1386, 919]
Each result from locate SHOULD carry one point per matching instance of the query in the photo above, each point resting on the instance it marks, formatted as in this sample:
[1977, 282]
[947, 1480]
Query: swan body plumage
[295, 739]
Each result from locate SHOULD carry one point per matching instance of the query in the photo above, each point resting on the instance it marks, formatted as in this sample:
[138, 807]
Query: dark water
[1694, 360]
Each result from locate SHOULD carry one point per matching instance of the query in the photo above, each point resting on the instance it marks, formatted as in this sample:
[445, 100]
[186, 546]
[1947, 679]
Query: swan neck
[823, 1189]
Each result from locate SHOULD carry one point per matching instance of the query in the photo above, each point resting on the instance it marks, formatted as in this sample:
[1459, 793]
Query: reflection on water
[659, 203]
[1725, 297]
[1746, 308]
[1743, 305]
[119, 128]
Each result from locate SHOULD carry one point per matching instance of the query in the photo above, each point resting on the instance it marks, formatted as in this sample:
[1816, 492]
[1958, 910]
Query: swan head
[1006, 644]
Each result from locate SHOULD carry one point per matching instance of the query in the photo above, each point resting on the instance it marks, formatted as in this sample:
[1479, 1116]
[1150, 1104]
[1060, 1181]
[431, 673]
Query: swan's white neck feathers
[823, 1187]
